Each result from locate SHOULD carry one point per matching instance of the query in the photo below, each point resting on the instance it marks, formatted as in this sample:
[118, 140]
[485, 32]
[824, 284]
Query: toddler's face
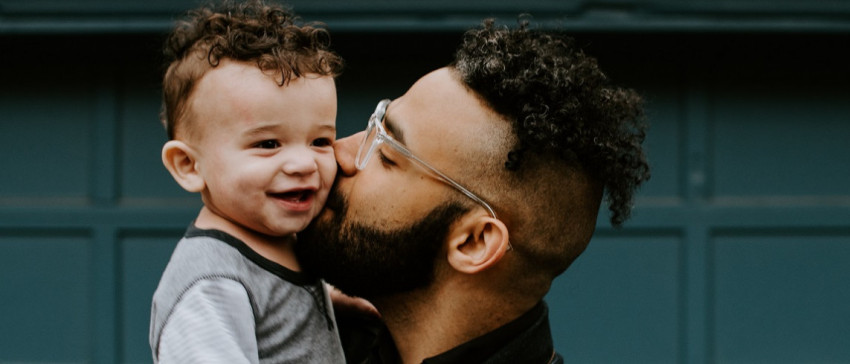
[265, 151]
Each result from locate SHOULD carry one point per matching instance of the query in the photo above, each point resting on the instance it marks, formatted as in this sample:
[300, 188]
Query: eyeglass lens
[367, 146]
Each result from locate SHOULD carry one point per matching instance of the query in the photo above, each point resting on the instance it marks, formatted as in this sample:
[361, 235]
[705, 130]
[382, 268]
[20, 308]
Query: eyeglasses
[377, 135]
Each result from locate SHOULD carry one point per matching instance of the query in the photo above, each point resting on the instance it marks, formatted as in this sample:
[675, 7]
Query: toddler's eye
[322, 142]
[268, 144]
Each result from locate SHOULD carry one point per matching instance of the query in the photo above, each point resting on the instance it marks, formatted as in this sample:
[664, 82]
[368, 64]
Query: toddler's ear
[180, 160]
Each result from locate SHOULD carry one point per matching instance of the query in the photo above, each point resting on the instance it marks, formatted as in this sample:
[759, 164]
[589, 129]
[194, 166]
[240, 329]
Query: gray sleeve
[212, 323]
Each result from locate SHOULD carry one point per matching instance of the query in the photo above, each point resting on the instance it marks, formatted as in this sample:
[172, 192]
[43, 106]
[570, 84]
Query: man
[464, 198]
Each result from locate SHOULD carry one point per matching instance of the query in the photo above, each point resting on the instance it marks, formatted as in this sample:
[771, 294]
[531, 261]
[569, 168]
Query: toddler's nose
[300, 164]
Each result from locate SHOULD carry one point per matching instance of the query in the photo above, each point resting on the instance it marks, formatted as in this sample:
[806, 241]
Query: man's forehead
[437, 107]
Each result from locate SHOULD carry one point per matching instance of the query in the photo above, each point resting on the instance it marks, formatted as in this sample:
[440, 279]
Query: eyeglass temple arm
[445, 178]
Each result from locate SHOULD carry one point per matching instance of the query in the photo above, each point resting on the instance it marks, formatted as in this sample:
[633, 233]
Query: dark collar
[311, 284]
[297, 278]
[526, 339]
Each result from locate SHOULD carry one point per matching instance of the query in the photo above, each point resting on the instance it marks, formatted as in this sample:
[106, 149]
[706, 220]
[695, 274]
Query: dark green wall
[738, 249]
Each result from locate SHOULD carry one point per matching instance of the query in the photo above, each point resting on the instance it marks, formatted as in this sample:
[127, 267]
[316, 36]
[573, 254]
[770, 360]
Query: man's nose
[345, 150]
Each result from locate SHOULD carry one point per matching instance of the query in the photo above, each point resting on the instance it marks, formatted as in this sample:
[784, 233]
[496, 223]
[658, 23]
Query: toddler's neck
[279, 249]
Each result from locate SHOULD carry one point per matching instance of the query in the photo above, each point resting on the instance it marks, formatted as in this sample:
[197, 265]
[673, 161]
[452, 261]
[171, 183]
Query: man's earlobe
[180, 160]
[478, 244]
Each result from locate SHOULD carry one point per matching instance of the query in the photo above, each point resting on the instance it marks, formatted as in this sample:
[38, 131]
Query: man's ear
[477, 243]
[180, 160]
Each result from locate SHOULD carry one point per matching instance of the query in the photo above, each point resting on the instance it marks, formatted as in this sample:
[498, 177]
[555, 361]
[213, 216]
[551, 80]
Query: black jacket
[526, 339]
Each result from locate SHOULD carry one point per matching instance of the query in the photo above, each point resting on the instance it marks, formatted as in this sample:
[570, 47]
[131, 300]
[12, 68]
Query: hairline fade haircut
[255, 31]
[574, 136]
[559, 104]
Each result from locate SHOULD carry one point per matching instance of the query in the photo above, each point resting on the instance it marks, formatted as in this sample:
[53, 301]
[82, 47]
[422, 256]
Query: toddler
[250, 109]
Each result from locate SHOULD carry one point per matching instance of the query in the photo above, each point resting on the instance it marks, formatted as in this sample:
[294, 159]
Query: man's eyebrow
[393, 129]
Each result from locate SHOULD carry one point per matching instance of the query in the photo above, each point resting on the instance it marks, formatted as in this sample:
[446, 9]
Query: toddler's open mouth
[296, 195]
[296, 199]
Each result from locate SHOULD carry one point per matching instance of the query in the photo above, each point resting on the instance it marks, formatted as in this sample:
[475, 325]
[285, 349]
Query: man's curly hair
[254, 31]
[559, 103]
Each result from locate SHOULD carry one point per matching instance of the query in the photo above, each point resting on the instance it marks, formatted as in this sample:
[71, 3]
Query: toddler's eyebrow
[331, 127]
[261, 129]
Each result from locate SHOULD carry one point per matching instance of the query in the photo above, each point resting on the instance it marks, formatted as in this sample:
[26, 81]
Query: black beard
[364, 261]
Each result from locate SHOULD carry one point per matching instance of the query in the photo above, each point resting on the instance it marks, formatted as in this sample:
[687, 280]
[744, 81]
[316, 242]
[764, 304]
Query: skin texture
[262, 158]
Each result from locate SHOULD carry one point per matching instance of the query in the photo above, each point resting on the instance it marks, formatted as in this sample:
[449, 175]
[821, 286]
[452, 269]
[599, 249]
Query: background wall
[739, 246]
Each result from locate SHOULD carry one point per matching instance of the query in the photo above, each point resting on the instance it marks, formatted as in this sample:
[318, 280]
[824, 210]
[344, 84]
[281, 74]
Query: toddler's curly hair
[254, 31]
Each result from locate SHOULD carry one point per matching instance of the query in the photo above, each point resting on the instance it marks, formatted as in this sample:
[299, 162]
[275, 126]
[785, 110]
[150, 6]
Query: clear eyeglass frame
[377, 135]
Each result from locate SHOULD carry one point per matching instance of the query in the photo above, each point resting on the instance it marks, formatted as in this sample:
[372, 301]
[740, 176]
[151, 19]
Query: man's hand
[347, 305]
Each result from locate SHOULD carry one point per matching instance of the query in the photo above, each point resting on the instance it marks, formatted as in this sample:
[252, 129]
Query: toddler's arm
[212, 323]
